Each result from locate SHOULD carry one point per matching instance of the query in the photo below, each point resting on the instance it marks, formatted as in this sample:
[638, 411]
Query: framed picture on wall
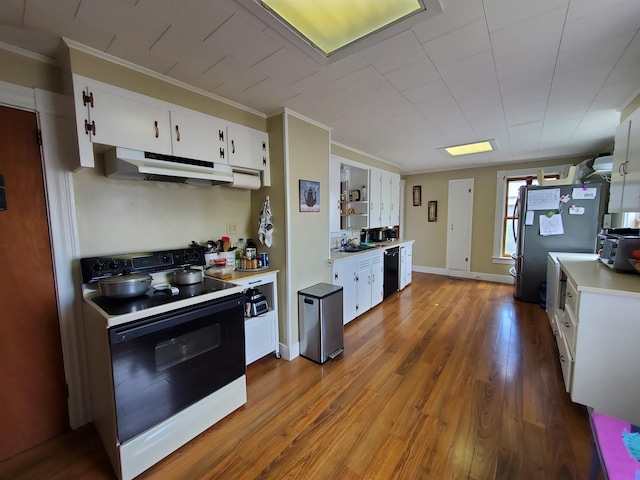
[417, 195]
[432, 210]
[309, 196]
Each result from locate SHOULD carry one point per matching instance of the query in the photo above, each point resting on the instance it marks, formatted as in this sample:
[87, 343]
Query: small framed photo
[309, 196]
[432, 210]
[417, 195]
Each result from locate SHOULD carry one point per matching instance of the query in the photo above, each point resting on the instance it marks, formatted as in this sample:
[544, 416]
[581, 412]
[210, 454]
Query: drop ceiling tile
[602, 23]
[396, 52]
[13, 12]
[527, 60]
[455, 132]
[477, 66]
[614, 96]
[543, 31]
[506, 13]
[426, 92]
[537, 81]
[381, 97]
[46, 44]
[243, 41]
[461, 43]
[593, 52]
[456, 14]
[345, 66]
[527, 113]
[487, 98]
[481, 91]
[440, 110]
[228, 77]
[525, 97]
[363, 80]
[316, 85]
[268, 95]
[413, 75]
[285, 67]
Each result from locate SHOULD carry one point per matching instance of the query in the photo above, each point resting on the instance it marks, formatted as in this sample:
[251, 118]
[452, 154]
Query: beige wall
[361, 157]
[430, 247]
[308, 159]
[124, 216]
[28, 72]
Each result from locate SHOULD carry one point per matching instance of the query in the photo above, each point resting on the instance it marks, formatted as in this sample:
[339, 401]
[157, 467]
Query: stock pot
[187, 276]
[125, 286]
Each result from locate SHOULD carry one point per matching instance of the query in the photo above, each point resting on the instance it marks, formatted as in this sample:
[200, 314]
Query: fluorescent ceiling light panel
[469, 148]
[330, 25]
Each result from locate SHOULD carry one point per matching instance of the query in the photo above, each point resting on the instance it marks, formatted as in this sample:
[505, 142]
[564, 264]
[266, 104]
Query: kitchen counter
[238, 276]
[593, 276]
[335, 255]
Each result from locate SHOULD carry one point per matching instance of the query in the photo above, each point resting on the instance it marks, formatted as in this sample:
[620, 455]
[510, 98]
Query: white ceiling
[544, 78]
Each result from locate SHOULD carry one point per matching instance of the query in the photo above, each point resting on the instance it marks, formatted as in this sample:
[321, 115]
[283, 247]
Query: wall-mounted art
[417, 195]
[309, 196]
[432, 210]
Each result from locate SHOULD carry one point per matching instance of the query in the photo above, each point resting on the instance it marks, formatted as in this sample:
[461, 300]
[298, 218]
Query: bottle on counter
[241, 247]
[251, 249]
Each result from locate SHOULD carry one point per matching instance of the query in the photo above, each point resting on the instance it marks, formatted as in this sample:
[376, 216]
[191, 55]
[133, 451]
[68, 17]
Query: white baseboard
[489, 277]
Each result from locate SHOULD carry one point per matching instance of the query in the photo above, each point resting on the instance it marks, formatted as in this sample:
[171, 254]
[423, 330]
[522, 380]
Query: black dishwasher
[391, 267]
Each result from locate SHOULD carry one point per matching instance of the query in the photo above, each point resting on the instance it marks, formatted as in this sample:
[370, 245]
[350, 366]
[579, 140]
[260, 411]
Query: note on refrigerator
[529, 217]
[551, 225]
[546, 199]
[585, 193]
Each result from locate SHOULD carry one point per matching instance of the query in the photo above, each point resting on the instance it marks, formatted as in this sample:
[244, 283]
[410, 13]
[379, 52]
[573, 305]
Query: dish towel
[265, 230]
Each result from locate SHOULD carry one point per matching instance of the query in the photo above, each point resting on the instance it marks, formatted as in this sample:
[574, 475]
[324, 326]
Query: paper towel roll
[244, 180]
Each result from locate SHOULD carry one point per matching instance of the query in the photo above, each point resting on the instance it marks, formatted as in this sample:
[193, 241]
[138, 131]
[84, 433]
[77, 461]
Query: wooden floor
[448, 379]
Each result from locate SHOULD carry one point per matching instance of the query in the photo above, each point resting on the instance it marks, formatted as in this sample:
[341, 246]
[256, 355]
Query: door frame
[55, 120]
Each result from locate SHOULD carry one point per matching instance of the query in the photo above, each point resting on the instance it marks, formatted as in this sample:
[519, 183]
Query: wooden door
[33, 396]
[459, 218]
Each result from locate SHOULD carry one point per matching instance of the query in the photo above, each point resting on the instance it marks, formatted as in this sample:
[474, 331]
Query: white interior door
[459, 218]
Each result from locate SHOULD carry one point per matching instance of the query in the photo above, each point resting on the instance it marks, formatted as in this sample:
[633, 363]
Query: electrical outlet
[232, 228]
[477, 277]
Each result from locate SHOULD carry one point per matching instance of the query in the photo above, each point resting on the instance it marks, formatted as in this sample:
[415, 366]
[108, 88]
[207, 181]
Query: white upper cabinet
[625, 175]
[113, 116]
[375, 197]
[199, 136]
[120, 118]
[384, 199]
[394, 200]
[249, 148]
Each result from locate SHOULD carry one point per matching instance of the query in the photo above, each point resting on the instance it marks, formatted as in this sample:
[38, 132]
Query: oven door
[163, 364]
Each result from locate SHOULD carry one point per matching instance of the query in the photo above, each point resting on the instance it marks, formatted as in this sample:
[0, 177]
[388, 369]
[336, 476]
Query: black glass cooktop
[155, 298]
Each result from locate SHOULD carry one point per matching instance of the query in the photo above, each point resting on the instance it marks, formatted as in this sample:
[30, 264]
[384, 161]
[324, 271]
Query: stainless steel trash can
[320, 321]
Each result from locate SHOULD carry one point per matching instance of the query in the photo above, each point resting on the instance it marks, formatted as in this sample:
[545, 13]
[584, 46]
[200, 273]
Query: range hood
[125, 163]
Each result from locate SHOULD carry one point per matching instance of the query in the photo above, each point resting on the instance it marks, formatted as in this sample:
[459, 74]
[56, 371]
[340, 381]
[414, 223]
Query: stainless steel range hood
[125, 163]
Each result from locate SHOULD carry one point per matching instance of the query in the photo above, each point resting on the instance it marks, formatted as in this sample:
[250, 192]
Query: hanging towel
[265, 230]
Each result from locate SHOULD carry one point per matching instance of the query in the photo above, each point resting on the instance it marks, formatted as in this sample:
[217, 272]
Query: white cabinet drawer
[566, 361]
[569, 329]
[256, 281]
[571, 297]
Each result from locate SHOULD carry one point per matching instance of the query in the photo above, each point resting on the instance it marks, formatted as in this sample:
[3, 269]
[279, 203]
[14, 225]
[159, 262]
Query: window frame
[501, 203]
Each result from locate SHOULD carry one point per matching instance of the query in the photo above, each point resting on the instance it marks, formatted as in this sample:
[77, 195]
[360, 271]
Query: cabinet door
[126, 119]
[198, 136]
[385, 199]
[377, 278]
[619, 165]
[631, 190]
[408, 263]
[82, 102]
[363, 279]
[260, 336]
[394, 200]
[344, 274]
[375, 197]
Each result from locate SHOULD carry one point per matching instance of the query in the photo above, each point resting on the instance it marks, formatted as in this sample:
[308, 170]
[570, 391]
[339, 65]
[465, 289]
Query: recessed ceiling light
[330, 25]
[469, 148]
[328, 30]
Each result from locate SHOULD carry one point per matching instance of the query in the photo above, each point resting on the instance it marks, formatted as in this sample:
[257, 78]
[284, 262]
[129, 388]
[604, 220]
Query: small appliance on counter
[378, 234]
[256, 303]
[392, 233]
[617, 247]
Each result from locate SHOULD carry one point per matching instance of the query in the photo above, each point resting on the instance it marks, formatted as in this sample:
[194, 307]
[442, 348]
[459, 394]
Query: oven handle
[163, 321]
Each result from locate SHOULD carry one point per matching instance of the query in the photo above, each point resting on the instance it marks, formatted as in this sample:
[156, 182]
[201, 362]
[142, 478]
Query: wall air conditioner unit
[125, 163]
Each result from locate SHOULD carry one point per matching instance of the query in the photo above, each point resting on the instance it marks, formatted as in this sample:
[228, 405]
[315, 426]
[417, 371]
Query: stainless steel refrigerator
[563, 218]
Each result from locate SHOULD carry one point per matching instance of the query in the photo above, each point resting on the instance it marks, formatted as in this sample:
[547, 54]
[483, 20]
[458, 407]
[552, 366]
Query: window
[506, 223]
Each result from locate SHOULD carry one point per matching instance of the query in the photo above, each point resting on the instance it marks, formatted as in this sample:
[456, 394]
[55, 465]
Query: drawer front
[566, 362]
[569, 329]
[255, 281]
[571, 297]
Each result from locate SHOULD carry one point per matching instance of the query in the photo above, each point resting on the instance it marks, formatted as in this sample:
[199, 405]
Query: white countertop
[593, 276]
[381, 246]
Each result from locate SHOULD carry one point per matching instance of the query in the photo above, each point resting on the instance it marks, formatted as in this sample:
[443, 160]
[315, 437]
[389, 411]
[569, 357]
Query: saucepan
[125, 286]
[187, 276]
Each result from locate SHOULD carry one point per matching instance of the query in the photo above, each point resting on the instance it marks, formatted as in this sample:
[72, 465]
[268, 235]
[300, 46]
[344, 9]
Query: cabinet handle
[178, 133]
[90, 127]
[264, 161]
[624, 168]
[155, 125]
[567, 324]
[562, 358]
[221, 135]
[87, 99]
[264, 146]
[233, 147]
[222, 153]
[255, 281]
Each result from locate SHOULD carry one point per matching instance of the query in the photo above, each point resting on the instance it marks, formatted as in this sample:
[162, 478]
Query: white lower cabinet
[406, 263]
[362, 279]
[261, 332]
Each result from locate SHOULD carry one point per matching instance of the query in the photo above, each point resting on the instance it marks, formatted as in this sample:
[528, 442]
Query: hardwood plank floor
[448, 379]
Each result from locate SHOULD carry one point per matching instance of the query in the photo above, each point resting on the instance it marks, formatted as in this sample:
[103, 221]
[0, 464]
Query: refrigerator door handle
[513, 272]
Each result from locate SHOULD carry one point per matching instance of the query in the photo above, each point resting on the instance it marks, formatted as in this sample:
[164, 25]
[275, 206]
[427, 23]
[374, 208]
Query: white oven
[164, 365]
